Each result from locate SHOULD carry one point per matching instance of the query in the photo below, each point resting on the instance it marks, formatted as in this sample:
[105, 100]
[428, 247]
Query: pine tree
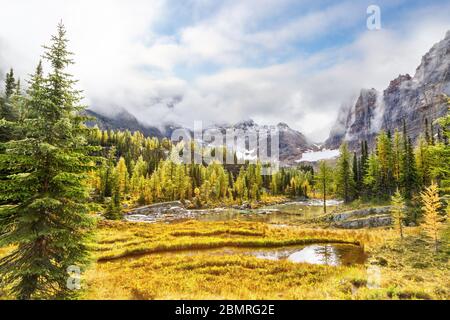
[363, 163]
[10, 84]
[384, 155]
[344, 175]
[49, 226]
[107, 177]
[396, 156]
[323, 180]
[427, 132]
[422, 156]
[114, 209]
[398, 211]
[432, 223]
[9, 108]
[408, 171]
[356, 169]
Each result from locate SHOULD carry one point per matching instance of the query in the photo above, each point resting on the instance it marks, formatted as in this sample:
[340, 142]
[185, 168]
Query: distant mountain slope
[126, 121]
[412, 99]
[292, 143]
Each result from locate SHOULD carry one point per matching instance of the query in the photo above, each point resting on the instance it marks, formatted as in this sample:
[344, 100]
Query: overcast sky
[291, 61]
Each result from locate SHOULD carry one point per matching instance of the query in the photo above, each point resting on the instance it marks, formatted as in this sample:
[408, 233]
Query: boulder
[355, 214]
[159, 208]
[368, 222]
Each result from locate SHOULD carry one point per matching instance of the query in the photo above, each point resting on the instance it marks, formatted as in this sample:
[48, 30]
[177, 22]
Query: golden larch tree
[432, 222]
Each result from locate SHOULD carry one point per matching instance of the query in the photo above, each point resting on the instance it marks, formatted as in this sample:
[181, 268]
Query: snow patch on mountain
[312, 156]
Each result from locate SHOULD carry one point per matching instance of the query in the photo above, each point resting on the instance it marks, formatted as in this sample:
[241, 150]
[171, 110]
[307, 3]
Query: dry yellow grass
[146, 264]
[117, 240]
[144, 261]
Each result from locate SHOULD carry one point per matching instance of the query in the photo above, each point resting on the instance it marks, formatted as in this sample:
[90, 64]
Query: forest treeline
[131, 169]
[139, 169]
[395, 163]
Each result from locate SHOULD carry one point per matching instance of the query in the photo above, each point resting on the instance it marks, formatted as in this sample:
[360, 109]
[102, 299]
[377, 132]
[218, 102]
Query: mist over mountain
[410, 99]
[123, 120]
[415, 100]
[292, 143]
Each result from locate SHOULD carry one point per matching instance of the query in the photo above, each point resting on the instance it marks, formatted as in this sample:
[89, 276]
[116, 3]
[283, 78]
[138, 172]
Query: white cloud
[228, 55]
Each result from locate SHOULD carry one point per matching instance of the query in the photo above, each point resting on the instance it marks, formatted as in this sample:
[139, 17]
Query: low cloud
[272, 61]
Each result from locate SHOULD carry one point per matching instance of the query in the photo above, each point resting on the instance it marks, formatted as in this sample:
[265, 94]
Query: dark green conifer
[48, 225]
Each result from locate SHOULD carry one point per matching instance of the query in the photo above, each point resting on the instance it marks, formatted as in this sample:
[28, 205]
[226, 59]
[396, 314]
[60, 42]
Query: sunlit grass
[141, 261]
[120, 239]
[167, 261]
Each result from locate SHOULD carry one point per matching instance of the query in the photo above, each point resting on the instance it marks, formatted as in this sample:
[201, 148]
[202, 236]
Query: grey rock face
[126, 121]
[292, 144]
[363, 218]
[409, 99]
[369, 222]
[355, 214]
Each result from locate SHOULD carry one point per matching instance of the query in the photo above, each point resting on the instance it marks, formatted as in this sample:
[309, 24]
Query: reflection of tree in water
[327, 254]
[350, 254]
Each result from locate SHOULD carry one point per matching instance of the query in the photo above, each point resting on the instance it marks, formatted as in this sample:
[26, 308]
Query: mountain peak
[395, 84]
[409, 99]
[282, 125]
[245, 124]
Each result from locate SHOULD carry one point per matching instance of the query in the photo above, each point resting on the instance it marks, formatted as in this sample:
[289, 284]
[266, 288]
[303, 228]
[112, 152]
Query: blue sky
[292, 61]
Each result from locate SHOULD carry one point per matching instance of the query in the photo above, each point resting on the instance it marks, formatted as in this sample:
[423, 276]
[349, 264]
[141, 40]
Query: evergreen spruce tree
[344, 175]
[10, 105]
[363, 167]
[396, 156]
[49, 226]
[422, 156]
[107, 178]
[10, 84]
[427, 132]
[355, 170]
[114, 209]
[384, 155]
[408, 171]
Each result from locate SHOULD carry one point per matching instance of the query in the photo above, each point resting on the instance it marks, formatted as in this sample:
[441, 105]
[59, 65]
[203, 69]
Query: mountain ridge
[292, 143]
[415, 100]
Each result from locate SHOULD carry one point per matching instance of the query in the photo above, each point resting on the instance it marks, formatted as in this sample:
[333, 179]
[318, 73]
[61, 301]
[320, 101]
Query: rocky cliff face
[292, 143]
[412, 99]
